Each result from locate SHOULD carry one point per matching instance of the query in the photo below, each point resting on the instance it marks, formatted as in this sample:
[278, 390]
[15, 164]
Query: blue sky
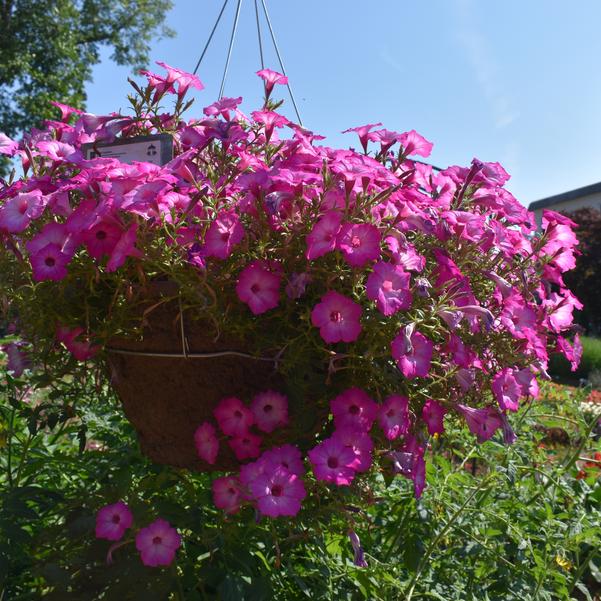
[514, 81]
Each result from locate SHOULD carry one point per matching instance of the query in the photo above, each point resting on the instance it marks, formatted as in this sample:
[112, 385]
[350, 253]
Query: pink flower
[286, 456]
[50, 263]
[297, 284]
[278, 493]
[363, 132]
[7, 146]
[81, 349]
[270, 410]
[113, 520]
[359, 243]
[17, 212]
[388, 286]
[393, 416]
[246, 446]
[270, 120]
[124, 248]
[158, 543]
[360, 442]
[227, 494]
[413, 143]
[183, 79]
[259, 288]
[101, 239]
[337, 318]
[433, 414]
[353, 408]
[233, 417]
[413, 353]
[222, 107]
[271, 78]
[481, 422]
[332, 460]
[223, 234]
[506, 389]
[322, 238]
[207, 444]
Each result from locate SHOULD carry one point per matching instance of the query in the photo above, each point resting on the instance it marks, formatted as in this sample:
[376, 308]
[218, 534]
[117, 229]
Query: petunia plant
[389, 296]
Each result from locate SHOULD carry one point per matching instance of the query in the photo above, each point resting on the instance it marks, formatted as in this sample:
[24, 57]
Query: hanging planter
[369, 294]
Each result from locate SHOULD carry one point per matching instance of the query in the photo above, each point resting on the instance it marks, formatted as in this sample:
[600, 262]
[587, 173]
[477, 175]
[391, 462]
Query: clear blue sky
[517, 81]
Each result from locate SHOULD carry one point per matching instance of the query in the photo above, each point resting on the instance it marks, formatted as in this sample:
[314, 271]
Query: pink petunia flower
[359, 243]
[433, 414]
[270, 120]
[363, 132]
[337, 318]
[259, 288]
[233, 417]
[332, 460]
[223, 234]
[481, 422]
[80, 347]
[227, 494]
[124, 248]
[246, 446]
[388, 286]
[360, 442]
[270, 410]
[507, 389]
[393, 416]
[113, 520]
[413, 353]
[7, 146]
[207, 444]
[278, 493]
[183, 79]
[287, 456]
[17, 212]
[322, 238]
[354, 408]
[271, 78]
[414, 143]
[49, 263]
[101, 239]
[158, 543]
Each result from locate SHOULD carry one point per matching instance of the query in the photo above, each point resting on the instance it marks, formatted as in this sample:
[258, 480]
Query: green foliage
[49, 47]
[590, 362]
[495, 522]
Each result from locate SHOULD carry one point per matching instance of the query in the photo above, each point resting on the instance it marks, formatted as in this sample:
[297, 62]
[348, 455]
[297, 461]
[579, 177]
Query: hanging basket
[171, 378]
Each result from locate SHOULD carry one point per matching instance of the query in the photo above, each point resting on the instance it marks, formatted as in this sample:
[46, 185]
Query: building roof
[571, 195]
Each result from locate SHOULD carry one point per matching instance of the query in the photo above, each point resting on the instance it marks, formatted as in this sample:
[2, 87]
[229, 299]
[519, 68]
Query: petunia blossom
[278, 493]
[481, 422]
[271, 78]
[158, 543]
[259, 288]
[246, 446]
[388, 286]
[413, 354]
[393, 416]
[223, 234]
[337, 318]
[206, 442]
[332, 461]
[270, 410]
[433, 415]
[234, 418]
[322, 238]
[113, 520]
[359, 243]
[507, 389]
[354, 408]
[227, 494]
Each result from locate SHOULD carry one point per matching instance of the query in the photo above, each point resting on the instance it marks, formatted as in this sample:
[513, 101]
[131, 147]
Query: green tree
[49, 47]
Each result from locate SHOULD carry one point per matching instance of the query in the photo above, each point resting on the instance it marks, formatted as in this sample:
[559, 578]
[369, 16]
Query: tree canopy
[49, 47]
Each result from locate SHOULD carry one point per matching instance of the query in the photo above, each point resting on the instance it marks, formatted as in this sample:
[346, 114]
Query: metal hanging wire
[210, 37]
[259, 36]
[277, 51]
